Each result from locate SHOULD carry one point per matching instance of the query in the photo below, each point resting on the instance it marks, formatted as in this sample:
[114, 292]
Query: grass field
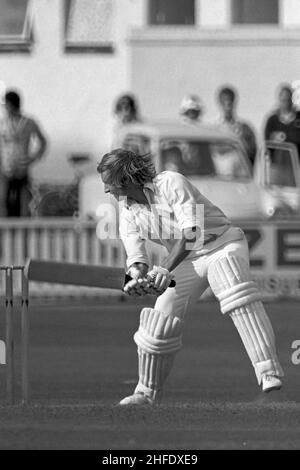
[83, 360]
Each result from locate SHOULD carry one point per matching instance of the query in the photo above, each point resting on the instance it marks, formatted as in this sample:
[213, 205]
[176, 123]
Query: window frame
[82, 47]
[22, 43]
[170, 25]
[237, 25]
[223, 34]
[291, 148]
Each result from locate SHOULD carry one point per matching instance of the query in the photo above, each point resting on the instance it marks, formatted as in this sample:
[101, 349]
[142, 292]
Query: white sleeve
[135, 246]
[181, 195]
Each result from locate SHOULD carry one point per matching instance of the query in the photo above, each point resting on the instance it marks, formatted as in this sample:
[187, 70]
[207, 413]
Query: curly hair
[123, 167]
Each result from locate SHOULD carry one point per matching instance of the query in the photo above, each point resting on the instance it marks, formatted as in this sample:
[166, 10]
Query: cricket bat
[77, 274]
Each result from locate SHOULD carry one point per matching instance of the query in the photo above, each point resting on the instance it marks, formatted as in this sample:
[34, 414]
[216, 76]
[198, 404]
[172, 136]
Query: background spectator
[126, 112]
[283, 125]
[19, 134]
[191, 109]
[126, 109]
[227, 100]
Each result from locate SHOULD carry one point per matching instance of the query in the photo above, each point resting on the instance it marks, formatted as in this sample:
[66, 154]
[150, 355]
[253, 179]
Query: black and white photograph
[149, 228]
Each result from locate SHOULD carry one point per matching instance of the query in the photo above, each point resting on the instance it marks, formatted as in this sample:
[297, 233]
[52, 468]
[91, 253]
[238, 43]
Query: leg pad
[158, 339]
[238, 295]
[158, 333]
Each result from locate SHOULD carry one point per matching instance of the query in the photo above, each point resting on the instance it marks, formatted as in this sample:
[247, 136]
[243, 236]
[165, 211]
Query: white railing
[71, 240]
[58, 239]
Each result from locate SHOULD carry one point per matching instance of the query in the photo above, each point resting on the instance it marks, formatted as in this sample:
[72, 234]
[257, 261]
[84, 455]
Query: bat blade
[75, 274]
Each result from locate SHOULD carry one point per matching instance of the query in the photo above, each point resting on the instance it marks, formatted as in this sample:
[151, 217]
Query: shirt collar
[149, 185]
[137, 207]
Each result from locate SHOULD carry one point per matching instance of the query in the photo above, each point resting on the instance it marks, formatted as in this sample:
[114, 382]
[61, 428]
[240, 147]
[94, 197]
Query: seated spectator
[191, 109]
[172, 159]
[283, 125]
[227, 162]
[227, 99]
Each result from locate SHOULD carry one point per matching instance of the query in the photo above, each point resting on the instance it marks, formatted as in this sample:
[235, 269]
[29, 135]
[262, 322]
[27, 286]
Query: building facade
[72, 58]
[252, 44]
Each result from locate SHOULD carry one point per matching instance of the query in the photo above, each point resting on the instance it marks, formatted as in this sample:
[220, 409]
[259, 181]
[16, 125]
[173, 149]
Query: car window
[137, 143]
[279, 169]
[203, 158]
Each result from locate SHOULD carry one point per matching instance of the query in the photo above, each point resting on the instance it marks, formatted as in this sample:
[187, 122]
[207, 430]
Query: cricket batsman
[204, 249]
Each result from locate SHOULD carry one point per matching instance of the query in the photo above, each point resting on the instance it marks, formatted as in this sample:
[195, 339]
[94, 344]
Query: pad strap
[238, 296]
[158, 333]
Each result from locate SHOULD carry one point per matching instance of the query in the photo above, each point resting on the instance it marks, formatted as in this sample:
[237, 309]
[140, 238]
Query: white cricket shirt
[174, 204]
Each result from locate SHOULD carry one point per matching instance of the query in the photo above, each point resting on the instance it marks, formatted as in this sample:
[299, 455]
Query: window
[89, 25]
[15, 26]
[138, 144]
[192, 158]
[279, 169]
[168, 12]
[254, 11]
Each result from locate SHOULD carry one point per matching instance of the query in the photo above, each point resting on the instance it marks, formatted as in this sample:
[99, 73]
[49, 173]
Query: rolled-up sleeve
[134, 244]
[183, 200]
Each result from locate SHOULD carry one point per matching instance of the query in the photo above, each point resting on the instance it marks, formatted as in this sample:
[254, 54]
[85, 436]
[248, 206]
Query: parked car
[215, 161]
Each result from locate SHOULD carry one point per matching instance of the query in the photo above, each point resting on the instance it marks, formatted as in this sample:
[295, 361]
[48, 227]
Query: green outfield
[83, 360]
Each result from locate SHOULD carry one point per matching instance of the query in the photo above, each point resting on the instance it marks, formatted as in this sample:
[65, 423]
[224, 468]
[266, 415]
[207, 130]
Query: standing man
[227, 102]
[17, 134]
[203, 249]
[284, 124]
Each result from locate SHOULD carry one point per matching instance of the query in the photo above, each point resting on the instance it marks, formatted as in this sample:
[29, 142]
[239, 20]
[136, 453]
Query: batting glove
[138, 285]
[134, 272]
[159, 278]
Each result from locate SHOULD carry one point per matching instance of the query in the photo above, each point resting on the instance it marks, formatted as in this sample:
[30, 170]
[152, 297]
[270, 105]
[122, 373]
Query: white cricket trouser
[191, 278]
[254, 327]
